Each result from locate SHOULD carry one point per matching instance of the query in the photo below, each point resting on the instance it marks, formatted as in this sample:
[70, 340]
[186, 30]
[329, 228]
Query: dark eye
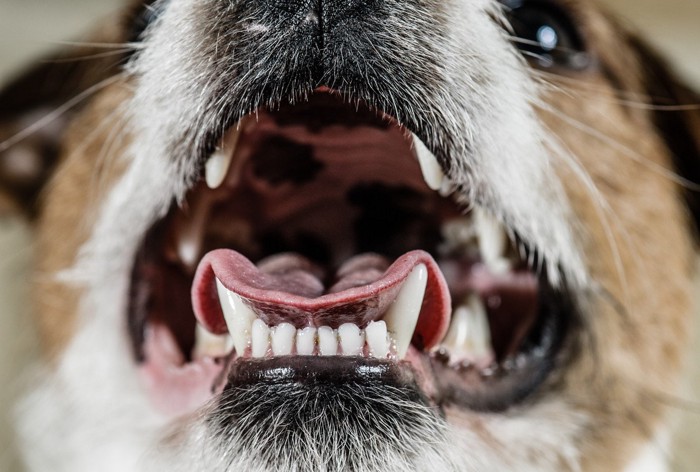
[546, 34]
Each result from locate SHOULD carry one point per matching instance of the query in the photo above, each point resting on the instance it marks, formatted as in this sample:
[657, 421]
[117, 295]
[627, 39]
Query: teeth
[327, 341]
[283, 339]
[239, 317]
[306, 341]
[210, 345]
[481, 339]
[402, 316]
[260, 338]
[352, 340]
[457, 234]
[492, 241]
[216, 167]
[469, 336]
[432, 172]
[377, 339]
[446, 189]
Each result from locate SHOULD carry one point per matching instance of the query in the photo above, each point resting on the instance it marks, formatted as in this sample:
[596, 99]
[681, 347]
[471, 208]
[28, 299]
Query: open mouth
[323, 236]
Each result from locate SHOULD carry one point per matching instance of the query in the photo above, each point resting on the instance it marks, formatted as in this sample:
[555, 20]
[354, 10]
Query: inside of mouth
[327, 182]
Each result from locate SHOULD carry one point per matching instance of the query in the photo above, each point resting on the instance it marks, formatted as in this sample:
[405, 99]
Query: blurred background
[30, 27]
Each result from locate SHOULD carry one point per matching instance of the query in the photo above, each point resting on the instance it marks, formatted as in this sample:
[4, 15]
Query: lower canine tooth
[283, 339]
[210, 345]
[260, 338]
[377, 339]
[352, 340]
[402, 316]
[239, 317]
[432, 172]
[327, 341]
[306, 341]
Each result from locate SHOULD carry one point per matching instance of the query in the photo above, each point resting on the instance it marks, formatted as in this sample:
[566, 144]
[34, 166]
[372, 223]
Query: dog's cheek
[638, 249]
[91, 162]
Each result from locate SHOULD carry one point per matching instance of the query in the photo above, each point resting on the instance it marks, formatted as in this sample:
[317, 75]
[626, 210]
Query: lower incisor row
[347, 340]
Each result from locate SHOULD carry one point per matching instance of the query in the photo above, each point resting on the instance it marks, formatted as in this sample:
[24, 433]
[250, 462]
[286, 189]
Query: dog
[355, 236]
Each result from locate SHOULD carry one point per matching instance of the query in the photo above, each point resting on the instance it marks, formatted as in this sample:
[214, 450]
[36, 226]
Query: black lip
[319, 371]
[548, 349]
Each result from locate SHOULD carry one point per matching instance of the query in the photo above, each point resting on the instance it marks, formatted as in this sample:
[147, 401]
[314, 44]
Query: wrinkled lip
[295, 202]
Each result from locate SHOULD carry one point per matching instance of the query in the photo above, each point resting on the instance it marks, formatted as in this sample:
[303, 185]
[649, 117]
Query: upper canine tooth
[239, 317]
[492, 241]
[402, 316]
[260, 338]
[210, 345]
[216, 167]
[283, 339]
[432, 172]
[352, 340]
[377, 339]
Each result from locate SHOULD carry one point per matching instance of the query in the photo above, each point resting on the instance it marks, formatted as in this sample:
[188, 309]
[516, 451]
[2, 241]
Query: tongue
[289, 288]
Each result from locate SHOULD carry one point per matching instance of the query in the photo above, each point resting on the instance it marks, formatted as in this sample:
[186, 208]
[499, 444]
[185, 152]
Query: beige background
[28, 27]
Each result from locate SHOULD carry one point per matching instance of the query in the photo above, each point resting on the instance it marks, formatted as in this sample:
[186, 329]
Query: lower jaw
[177, 388]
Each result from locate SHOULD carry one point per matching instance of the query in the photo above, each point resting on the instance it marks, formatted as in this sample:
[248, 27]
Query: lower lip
[177, 388]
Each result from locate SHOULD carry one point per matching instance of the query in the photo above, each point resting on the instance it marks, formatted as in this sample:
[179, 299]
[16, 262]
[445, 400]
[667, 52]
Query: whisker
[636, 100]
[80, 44]
[88, 57]
[58, 112]
[625, 150]
[603, 208]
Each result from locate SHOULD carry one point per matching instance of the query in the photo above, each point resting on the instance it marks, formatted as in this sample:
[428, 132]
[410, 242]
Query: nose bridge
[334, 12]
[329, 15]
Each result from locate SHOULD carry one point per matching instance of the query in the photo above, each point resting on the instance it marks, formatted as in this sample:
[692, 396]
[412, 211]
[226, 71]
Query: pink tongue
[289, 288]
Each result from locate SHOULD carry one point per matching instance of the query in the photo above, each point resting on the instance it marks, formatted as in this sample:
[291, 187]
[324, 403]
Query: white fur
[651, 459]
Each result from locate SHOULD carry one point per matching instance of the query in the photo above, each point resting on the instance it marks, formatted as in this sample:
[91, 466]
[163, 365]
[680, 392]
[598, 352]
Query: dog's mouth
[323, 239]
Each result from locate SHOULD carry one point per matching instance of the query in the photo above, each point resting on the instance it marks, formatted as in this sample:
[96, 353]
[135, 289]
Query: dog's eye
[546, 34]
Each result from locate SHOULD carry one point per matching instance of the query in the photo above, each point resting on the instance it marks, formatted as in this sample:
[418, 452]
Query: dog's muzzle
[326, 235]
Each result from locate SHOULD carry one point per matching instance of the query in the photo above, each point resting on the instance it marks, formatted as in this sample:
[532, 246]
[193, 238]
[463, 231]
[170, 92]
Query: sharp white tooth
[402, 315]
[352, 340]
[216, 167]
[377, 339]
[446, 189]
[283, 339]
[469, 336]
[210, 345]
[457, 339]
[492, 241]
[457, 233]
[306, 341]
[239, 317]
[261, 338]
[327, 341]
[432, 172]
[481, 334]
